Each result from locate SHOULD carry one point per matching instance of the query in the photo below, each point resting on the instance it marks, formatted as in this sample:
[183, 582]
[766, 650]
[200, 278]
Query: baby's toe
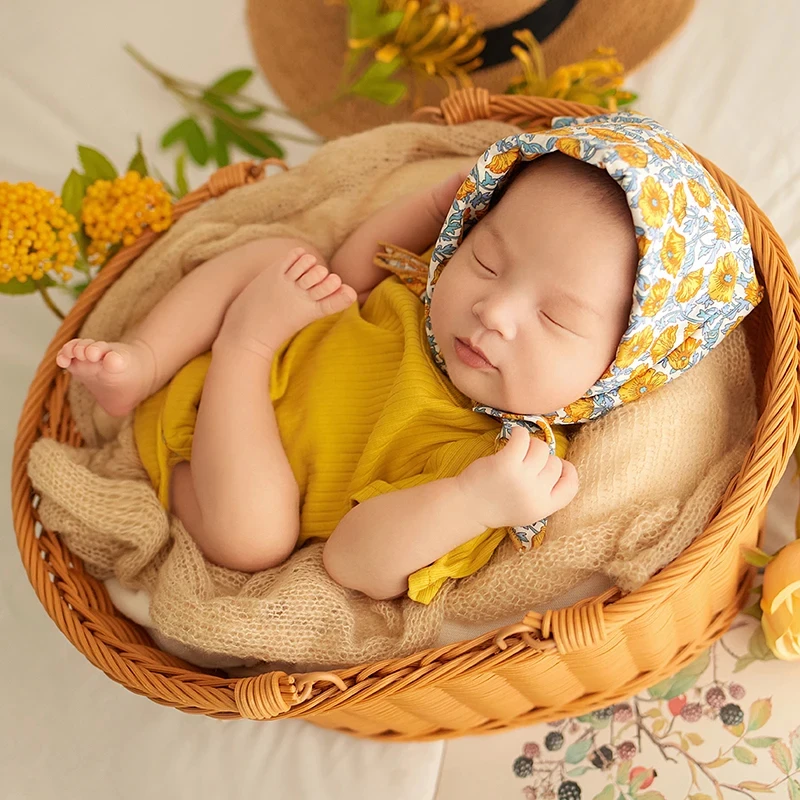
[313, 276]
[301, 267]
[65, 354]
[328, 285]
[343, 297]
[80, 348]
[114, 361]
[96, 350]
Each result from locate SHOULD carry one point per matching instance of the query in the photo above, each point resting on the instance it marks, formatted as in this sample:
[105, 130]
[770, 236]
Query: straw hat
[301, 48]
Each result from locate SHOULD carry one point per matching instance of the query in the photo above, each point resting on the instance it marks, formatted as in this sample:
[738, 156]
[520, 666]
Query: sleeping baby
[414, 411]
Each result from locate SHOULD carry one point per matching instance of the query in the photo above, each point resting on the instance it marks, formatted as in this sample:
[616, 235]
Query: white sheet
[726, 84]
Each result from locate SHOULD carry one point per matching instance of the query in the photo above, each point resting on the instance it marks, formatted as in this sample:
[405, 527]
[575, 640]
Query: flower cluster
[594, 81]
[118, 211]
[36, 234]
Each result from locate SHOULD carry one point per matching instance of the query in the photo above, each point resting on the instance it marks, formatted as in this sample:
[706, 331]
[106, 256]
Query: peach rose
[780, 603]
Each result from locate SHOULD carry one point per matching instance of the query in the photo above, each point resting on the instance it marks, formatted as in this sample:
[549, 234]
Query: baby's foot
[118, 375]
[281, 300]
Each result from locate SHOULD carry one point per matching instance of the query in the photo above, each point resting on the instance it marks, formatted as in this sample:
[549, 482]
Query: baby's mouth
[470, 357]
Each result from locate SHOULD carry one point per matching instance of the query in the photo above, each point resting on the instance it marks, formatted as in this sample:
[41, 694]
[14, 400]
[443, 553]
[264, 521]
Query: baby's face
[543, 285]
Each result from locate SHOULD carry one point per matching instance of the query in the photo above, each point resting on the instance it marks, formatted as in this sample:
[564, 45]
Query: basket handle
[526, 111]
[272, 694]
[564, 629]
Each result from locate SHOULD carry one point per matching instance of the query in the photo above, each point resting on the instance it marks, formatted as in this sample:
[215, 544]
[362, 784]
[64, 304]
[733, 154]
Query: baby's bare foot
[284, 298]
[118, 375]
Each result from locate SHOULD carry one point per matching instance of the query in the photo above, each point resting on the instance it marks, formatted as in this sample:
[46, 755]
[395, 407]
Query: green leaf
[375, 85]
[624, 771]
[744, 755]
[650, 794]
[96, 165]
[743, 663]
[257, 142]
[794, 789]
[577, 751]
[606, 794]
[182, 187]
[72, 193]
[682, 681]
[758, 647]
[756, 556]
[231, 82]
[794, 739]
[366, 22]
[755, 786]
[781, 757]
[576, 772]
[15, 286]
[220, 144]
[760, 712]
[762, 741]
[695, 738]
[188, 131]
[246, 114]
[137, 163]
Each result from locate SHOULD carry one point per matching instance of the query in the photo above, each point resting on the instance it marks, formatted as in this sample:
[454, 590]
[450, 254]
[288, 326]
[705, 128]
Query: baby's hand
[520, 484]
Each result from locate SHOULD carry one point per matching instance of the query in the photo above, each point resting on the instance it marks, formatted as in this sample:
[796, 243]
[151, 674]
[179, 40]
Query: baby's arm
[380, 542]
[412, 223]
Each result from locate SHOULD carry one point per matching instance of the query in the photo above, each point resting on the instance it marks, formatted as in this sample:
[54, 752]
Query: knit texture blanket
[651, 473]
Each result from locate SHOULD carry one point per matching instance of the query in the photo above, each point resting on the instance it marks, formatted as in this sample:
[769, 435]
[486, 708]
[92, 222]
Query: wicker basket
[549, 666]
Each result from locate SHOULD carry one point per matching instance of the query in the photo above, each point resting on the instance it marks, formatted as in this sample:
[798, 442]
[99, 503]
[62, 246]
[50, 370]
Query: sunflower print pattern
[695, 279]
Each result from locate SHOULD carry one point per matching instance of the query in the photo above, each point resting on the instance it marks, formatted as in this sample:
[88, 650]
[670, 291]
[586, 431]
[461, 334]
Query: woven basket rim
[746, 496]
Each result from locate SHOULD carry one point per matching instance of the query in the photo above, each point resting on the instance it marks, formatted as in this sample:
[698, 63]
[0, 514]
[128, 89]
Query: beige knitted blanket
[651, 473]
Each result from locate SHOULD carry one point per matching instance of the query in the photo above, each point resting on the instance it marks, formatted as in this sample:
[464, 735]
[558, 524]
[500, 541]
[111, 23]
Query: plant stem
[179, 85]
[49, 301]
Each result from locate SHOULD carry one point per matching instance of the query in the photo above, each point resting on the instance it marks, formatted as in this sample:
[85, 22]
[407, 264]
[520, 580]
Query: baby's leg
[242, 504]
[182, 325]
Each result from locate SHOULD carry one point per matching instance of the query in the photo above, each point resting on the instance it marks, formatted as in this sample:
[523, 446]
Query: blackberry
[692, 712]
[531, 750]
[626, 751]
[569, 790]
[603, 713]
[523, 767]
[622, 713]
[737, 691]
[554, 741]
[731, 714]
[715, 697]
[602, 757]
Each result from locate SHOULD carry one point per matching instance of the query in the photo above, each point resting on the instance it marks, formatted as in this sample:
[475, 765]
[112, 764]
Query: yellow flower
[466, 188]
[689, 286]
[644, 245]
[35, 233]
[745, 236]
[699, 193]
[634, 156]
[754, 293]
[654, 202]
[570, 147]
[679, 358]
[595, 80]
[679, 203]
[657, 297]
[503, 162]
[719, 194]
[721, 226]
[580, 409]
[722, 281]
[630, 350]
[611, 135]
[642, 381]
[118, 211]
[664, 343]
[659, 149]
[780, 603]
[673, 251]
[676, 146]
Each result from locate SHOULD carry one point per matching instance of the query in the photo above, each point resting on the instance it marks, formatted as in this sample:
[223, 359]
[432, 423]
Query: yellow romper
[362, 410]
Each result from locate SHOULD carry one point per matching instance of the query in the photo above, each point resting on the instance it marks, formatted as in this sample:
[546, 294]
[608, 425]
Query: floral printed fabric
[695, 280]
